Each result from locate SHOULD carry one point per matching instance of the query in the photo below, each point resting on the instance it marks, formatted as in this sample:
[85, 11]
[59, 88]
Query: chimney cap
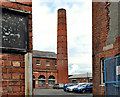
[61, 9]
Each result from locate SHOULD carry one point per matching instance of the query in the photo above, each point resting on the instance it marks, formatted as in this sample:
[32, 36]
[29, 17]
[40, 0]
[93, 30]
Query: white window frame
[36, 62]
[102, 71]
[47, 63]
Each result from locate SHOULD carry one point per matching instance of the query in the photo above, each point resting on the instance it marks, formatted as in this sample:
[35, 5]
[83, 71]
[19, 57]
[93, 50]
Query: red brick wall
[43, 63]
[42, 69]
[98, 39]
[62, 57]
[13, 64]
[12, 73]
[100, 28]
[45, 73]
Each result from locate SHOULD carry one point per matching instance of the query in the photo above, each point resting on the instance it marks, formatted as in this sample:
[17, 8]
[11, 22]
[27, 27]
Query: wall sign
[117, 70]
[14, 33]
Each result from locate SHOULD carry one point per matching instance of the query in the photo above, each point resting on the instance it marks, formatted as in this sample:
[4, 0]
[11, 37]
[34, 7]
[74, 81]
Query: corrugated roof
[81, 75]
[44, 54]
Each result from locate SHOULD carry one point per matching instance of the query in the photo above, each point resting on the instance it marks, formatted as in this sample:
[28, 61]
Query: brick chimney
[62, 57]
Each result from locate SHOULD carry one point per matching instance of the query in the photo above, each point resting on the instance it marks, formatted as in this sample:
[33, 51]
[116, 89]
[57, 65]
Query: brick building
[16, 51]
[15, 43]
[50, 68]
[81, 78]
[45, 71]
[106, 48]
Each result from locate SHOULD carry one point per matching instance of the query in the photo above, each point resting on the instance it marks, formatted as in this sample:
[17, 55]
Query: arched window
[51, 80]
[41, 81]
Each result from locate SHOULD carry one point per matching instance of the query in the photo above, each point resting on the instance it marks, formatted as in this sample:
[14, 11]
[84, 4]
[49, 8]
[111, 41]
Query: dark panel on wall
[14, 31]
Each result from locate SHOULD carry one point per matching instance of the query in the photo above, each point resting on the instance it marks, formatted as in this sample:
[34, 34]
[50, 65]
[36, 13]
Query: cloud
[44, 28]
[77, 69]
[79, 29]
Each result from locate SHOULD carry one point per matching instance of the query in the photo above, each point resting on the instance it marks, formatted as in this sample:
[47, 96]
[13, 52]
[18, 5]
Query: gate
[112, 77]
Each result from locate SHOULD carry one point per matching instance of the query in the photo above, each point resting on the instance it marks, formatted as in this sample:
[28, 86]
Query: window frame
[102, 71]
[37, 63]
[55, 62]
[24, 46]
[47, 64]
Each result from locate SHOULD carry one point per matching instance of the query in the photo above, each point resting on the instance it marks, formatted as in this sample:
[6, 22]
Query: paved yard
[58, 93]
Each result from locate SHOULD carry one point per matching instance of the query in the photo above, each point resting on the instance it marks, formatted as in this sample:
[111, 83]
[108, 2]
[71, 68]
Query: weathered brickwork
[12, 73]
[103, 44]
[12, 65]
[62, 57]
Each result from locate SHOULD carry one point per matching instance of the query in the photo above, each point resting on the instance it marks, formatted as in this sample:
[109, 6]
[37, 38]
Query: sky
[79, 31]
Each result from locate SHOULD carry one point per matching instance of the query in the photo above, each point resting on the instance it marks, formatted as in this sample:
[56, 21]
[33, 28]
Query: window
[41, 81]
[47, 63]
[102, 70]
[38, 62]
[55, 63]
[118, 67]
[51, 80]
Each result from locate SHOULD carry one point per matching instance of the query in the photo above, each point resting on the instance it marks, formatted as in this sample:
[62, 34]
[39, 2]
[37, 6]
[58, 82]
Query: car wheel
[83, 91]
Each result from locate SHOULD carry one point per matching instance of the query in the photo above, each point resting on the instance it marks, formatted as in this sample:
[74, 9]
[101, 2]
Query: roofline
[79, 77]
[44, 57]
[44, 51]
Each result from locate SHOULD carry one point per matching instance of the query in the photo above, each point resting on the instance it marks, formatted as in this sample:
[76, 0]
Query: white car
[70, 89]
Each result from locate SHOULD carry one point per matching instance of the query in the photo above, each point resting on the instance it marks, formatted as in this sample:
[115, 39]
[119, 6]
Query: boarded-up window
[14, 30]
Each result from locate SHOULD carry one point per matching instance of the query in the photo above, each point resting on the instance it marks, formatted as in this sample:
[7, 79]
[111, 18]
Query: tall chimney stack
[62, 57]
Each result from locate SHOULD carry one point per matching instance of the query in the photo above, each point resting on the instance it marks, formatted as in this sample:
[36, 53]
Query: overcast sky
[79, 30]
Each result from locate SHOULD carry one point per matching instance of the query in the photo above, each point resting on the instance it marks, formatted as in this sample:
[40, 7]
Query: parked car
[70, 89]
[84, 88]
[58, 86]
[68, 85]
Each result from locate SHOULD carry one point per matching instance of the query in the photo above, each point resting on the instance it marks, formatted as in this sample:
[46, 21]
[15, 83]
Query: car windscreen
[80, 85]
[75, 84]
[90, 85]
[71, 85]
[66, 84]
[83, 85]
